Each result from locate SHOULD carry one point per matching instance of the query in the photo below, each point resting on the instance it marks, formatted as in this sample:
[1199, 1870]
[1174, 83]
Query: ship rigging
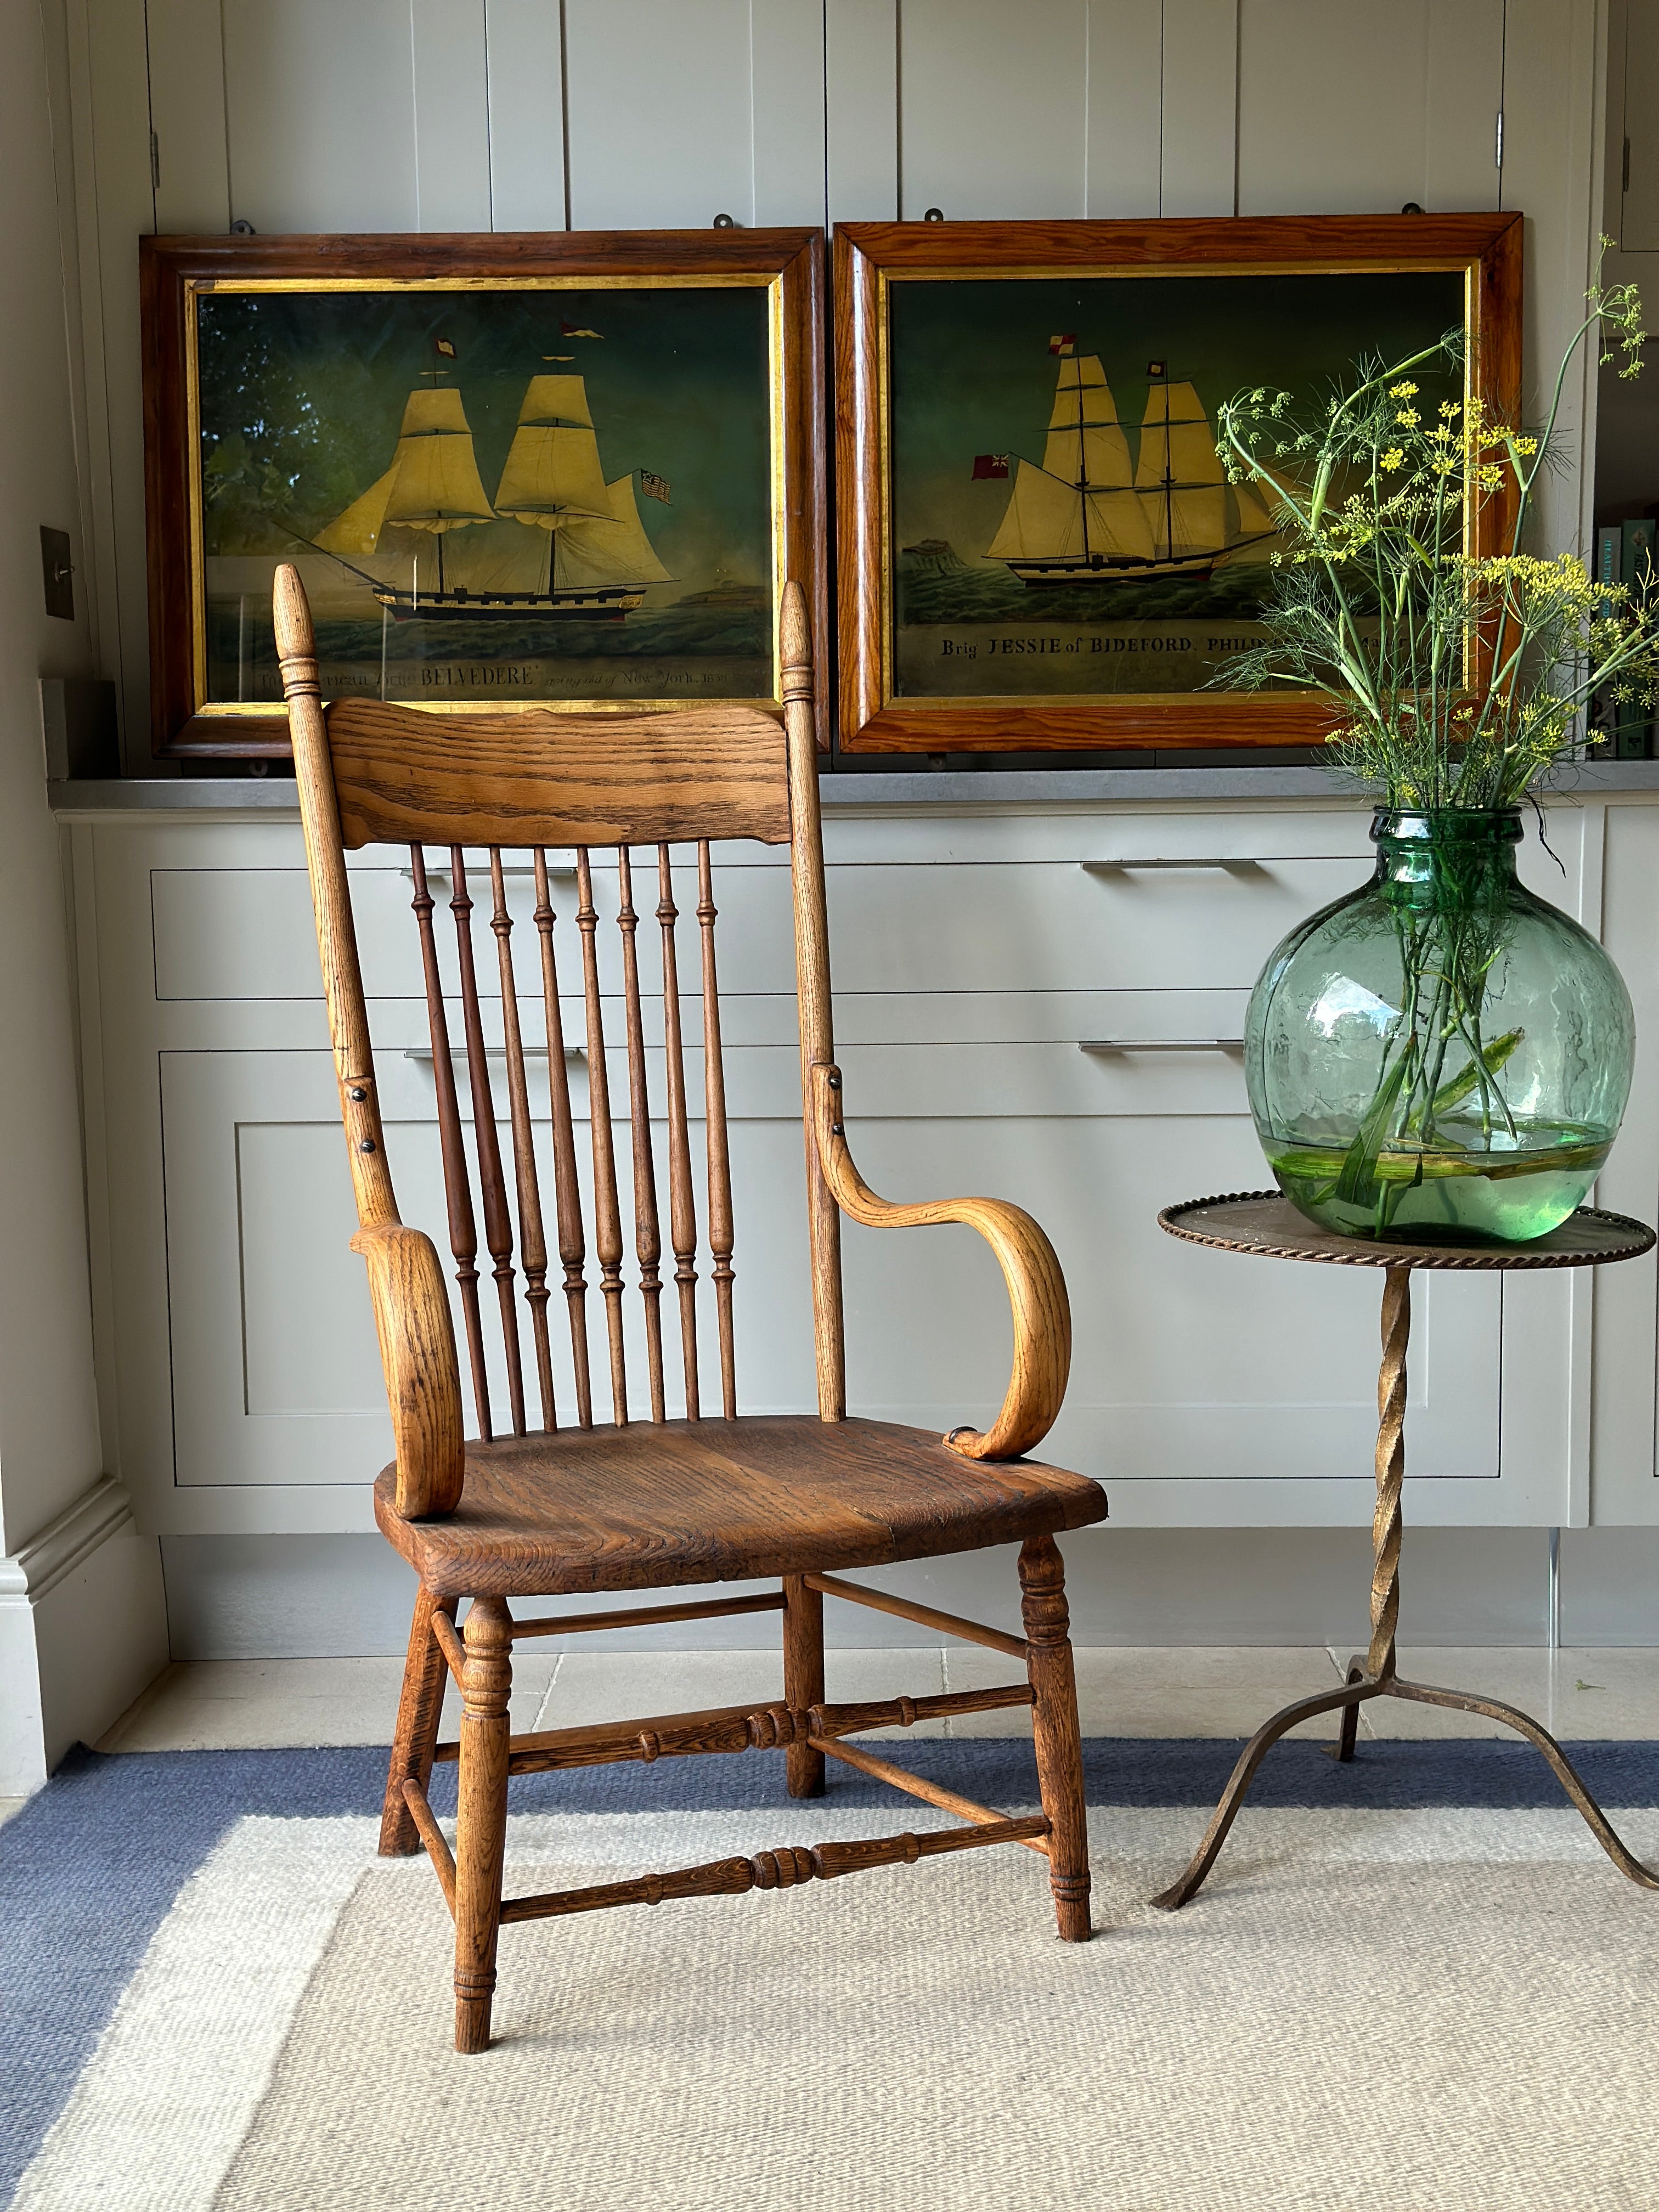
[557, 539]
[1086, 513]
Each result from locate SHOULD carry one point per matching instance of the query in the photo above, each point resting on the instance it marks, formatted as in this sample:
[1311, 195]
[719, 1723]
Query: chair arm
[423, 1378]
[1036, 1288]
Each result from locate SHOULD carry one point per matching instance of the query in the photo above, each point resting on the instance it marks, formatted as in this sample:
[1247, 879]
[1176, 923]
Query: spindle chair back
[601, 1489]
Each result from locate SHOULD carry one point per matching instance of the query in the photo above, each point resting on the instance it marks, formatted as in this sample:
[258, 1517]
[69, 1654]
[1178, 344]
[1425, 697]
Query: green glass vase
[1439, 1055]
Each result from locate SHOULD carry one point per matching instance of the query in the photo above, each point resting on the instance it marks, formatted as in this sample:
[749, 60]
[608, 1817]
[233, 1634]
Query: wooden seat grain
[619, 1478]
[720, 1501]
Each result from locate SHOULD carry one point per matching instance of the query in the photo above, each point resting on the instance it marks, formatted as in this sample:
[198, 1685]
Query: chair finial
[296, 644]
[795, 642]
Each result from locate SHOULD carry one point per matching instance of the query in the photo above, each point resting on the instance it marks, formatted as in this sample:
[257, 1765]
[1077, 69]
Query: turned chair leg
[803, 1678]
[481, 1816]
[418, 1712]
[1054, 1726]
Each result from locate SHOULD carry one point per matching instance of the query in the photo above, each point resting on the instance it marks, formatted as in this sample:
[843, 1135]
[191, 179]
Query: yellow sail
[553, 475]
[358, 530]
[1043, 520]
[589, 552]
[1179, 477]
[1048, 520]
[436, 481]
[1086, 445]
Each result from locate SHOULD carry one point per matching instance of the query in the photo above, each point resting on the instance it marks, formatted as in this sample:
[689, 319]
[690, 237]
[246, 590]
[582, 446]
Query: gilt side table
[1268, 1226]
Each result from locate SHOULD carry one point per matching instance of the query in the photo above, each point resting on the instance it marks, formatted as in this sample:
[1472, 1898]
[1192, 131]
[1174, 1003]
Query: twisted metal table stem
[1374, 1676]
[1390, 1469]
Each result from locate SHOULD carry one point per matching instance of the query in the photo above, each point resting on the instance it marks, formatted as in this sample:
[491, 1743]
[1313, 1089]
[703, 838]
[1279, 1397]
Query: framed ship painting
[1038, 547]
[551, 470]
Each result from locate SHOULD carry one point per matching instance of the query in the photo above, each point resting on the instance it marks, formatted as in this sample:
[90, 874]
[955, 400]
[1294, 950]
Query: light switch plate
[58, 573]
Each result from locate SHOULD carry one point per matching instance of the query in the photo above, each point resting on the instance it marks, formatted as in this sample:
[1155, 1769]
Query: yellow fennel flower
[1393, 458]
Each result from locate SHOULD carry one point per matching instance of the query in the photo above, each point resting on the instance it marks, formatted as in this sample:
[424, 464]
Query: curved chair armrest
[1036, 1288]
[423, 1378]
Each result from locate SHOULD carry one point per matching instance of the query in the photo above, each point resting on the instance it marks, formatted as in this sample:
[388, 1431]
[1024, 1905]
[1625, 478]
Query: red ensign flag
[990, 464]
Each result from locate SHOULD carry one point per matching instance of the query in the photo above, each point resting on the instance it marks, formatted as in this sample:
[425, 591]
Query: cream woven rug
[1407, 2011]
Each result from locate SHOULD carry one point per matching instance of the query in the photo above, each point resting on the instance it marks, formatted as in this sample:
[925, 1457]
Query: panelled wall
[297, 115]
[236, 1355]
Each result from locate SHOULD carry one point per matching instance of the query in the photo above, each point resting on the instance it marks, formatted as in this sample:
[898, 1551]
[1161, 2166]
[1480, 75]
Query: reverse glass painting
[1059, 520]
[532, 494]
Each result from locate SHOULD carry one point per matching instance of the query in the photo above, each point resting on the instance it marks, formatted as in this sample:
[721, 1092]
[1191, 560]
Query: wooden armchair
[568, 1506]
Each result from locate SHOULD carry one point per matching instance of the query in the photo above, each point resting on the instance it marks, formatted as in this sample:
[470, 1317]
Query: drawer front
[894, 927]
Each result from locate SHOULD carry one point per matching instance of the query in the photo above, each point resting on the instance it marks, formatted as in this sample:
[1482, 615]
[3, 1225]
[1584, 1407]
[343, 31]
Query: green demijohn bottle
[1440, 1055]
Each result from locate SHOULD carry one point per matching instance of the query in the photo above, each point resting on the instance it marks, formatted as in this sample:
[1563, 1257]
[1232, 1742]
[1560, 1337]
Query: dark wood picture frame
[869, 258]
[175, 272]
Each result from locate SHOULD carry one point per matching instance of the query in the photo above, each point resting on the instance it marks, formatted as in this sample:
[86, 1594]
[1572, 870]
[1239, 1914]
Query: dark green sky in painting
[972, 373]
[302, 394]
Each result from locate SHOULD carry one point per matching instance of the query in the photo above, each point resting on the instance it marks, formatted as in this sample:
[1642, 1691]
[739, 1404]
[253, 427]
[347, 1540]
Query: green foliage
[1458, 679]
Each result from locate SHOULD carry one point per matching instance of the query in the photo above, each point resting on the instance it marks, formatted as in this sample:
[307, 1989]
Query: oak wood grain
[872, 719]
[417, 1358]
[458, 1186]
[925, 1616]
[733, 1729]
[682, 1199]
[1036, 1288]
[917, 1785]
[419, 1710]
[783, 1868]
[643, 778]
[486, 1143]
[717, 1137]
[803, 1678]
[1056, 1729]
[533, 1235]
[567, 1191]
[607, 1215]
[813, 994]
[425, 1823]
[647, 1233]
[481, 1816]
[709, 1501]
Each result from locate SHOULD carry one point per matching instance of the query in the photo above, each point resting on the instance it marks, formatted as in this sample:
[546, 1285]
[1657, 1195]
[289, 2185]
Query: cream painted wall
[51, 1453]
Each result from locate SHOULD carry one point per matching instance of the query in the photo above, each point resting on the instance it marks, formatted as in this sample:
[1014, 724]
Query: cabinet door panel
[1623, 1486]
[319, 115]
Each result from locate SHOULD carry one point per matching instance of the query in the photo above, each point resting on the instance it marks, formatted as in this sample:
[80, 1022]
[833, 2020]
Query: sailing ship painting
[557, 539]
[1088, 510]
[463, 479]
[1061, 521]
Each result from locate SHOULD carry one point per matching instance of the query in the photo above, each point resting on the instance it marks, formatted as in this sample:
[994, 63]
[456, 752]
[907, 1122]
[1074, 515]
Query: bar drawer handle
[423, 1052]
[1207, 860]
[1160, 1044]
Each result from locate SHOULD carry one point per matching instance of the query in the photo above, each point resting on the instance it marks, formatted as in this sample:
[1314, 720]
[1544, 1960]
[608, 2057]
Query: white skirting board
[269, 1597]
[82, 1631]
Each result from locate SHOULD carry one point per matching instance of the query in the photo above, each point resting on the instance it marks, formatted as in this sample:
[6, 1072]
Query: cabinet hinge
[155, 163]
[1498, 147]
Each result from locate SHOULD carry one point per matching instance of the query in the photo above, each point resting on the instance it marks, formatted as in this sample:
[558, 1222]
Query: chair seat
[720, 1501]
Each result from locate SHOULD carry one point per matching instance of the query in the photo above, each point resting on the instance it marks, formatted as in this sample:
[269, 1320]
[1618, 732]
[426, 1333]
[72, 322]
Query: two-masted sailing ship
[1088, 511]
[556, 539]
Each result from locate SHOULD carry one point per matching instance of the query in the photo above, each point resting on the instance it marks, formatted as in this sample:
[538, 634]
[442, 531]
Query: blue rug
[91, 1868]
